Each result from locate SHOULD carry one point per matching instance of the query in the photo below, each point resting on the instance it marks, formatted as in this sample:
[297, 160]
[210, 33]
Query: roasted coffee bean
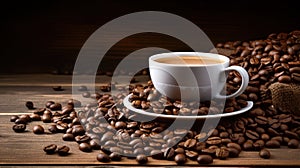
[29, 105]
[115, 156]
[204, 159]
[284, 79]
[19, 128]
[233, 152]
[38, 129]
[63, 150]
[68, 137]
[252, 135]
[102, 157]
[95, 144]
[265, 153]
[247, 146]
[138, 151]
[234, 145]
[169, 153]
[214, 141]
[142, 159]
[293, 143]
[272, 144]
[86, 94]
[78, 130]
[180, 159]
[85, 147]
[179, 151]
[259, 144]
[157, 154]
[13, 118]
[190, 143]
[81, 139]
[21, 121]
[50, 149]
[120, 125]
[191, 154]
[261, 120]
[55, 106]
[46, 118]
[222, 153]
[57, 88]
[35, 117]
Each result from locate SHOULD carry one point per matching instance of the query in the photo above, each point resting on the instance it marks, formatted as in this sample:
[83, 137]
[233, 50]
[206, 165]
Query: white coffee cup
[193, 75]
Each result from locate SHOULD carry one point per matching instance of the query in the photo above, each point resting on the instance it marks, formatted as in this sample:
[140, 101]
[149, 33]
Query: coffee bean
[157, 154]
[222, 153]
[204, 159]
[191, 154]
[293, 143]
[169, 153]
[57, 88]
[233, 152]
[35, 117]
[180, 159]
[214, 141]
[55, 106]
[258, 145]
[252, 135]
[272, 144]
[261, 120]
[234, 145]
[50, 149]
[13, 118]
[142, 159]
[115, 156]
[68, 137]
[284, 79]
[86, 94]
[38, 129]
[85, 147]
[78, 130]
[19, 128]
[265, 153]
[63, 150]
[247, 146]
[190, 143]
[102, 157]
[81, 139]
[29, 105]
[95, 144]
[46, 118]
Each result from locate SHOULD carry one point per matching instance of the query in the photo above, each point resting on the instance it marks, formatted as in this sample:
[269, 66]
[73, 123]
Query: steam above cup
[193, 76]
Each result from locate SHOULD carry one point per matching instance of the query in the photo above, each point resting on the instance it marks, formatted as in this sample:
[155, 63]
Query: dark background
[40, 37]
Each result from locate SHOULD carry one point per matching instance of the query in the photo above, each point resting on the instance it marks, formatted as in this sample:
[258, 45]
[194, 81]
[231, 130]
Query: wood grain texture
[27, 148]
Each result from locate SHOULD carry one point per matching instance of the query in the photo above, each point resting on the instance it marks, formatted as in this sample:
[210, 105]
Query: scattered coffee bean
[38, 129]
[180, 159]
[142, 159]
[82, 88]
[19, 127]
[29, 105]
[63, 150]
[102, 157]
[13, 118]
[265, 153]
[115, 156]
[52, 128]
[85, 147]
[50, 149]
[57, 88]
[204, 159]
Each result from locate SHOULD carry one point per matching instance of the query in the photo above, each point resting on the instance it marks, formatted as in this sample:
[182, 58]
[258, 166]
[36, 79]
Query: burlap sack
[286, 97]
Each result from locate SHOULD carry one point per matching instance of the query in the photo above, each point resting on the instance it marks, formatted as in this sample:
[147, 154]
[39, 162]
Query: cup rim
[152, 59]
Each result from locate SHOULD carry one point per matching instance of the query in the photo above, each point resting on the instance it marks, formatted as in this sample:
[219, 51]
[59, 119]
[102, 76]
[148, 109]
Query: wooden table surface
[27, 148]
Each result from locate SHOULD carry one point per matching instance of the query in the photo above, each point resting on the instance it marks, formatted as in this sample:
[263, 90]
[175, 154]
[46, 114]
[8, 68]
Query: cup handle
[245, 81]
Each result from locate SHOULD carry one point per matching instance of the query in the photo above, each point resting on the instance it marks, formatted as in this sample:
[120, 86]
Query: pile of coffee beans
[149, 99]
[110, 127]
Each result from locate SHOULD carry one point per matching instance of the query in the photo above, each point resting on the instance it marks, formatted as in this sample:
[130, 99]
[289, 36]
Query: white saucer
[128, 105]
